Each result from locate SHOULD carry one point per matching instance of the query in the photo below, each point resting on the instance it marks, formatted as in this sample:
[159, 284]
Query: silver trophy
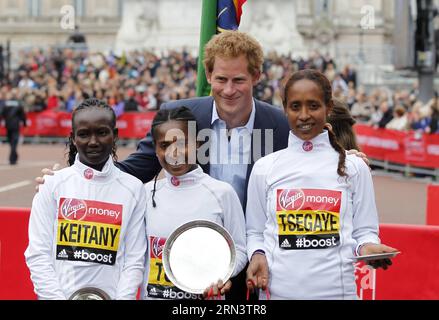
[197, 254]
[89, 294]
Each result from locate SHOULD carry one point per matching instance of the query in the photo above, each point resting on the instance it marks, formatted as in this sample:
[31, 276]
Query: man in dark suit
[233, 62]
[232, 79]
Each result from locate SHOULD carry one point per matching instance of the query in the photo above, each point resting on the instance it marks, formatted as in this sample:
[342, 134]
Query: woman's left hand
[372, 248]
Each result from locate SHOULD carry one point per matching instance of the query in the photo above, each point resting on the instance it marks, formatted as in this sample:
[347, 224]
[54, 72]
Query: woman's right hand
[218, 289]
[257, 272]
[46, 171]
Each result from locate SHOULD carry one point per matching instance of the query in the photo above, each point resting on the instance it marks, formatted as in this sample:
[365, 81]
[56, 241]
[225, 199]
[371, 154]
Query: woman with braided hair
[185, 194]
[311, 206]
[87, 227]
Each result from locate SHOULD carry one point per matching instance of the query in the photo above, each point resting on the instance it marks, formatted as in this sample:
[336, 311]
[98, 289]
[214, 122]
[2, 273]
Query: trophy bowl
[89, 293]
[197, 254]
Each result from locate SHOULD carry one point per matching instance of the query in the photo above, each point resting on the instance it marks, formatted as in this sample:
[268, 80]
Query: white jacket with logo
[87, 229]
[195, 196]
[309, 220]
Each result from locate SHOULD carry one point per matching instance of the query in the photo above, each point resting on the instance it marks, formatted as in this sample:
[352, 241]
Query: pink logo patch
[307, 146]
[157, 246]
[73, 209]
[291, 199]
[88, 174]
[175, 182]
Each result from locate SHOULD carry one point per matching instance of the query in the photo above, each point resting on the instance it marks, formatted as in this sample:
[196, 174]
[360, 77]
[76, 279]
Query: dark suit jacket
[144, 165]
[13, 113]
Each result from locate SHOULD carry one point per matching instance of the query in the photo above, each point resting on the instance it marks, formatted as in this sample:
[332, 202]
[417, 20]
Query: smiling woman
[184, 195]
[88, 218]
[310, 205]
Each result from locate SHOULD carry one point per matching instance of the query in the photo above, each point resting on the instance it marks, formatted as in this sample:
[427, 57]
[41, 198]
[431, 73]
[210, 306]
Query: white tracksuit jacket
[309, 220]
[192, 196]
[87, 229]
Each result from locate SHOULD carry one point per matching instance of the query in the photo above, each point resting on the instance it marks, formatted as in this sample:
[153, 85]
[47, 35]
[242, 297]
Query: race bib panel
[159, 286]
[88, 231]
[308, 218]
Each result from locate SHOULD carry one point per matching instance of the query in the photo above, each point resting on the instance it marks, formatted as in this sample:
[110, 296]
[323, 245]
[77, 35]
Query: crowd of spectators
[139, 81]
[397, 110]
[57, 79]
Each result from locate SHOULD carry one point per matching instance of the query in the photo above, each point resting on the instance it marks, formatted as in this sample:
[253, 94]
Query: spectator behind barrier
[400, 120]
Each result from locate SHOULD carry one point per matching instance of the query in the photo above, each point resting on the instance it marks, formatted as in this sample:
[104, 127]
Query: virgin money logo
[291, 199]
[73, 209]
[88, 174]
[157, 247]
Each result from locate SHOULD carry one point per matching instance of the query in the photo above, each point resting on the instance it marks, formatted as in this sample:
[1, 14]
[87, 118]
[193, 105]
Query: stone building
[28, 23]
[352, 30]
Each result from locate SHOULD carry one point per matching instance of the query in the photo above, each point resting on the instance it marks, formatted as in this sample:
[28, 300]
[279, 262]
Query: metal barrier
[406, 170]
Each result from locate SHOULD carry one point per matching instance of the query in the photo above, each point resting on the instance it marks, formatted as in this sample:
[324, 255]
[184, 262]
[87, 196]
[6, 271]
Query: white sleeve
[234, 222]
[135, 248]
[39, 253]
[365, 215]
[256, 216]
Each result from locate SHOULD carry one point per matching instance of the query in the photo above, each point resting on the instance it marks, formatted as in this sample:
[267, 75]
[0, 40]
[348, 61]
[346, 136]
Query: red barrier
[413, 275]
[433, 205]
[44, 124]
[15, 280]
[410, 148]
[132, 125]
[64, 124]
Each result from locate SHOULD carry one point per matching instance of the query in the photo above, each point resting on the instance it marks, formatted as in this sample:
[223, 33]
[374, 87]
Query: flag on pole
[229, 14]
[216, 16]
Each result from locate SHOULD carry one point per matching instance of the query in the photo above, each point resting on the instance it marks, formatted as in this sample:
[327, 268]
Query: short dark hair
[177, 114]
[88, 104]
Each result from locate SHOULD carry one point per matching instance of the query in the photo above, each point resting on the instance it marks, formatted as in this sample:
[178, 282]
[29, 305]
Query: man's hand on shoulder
[46, 171]
[361, 155]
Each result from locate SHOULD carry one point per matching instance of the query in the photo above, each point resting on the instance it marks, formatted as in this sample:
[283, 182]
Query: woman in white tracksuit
[185, 194]
[87, 226]
[310, 207]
